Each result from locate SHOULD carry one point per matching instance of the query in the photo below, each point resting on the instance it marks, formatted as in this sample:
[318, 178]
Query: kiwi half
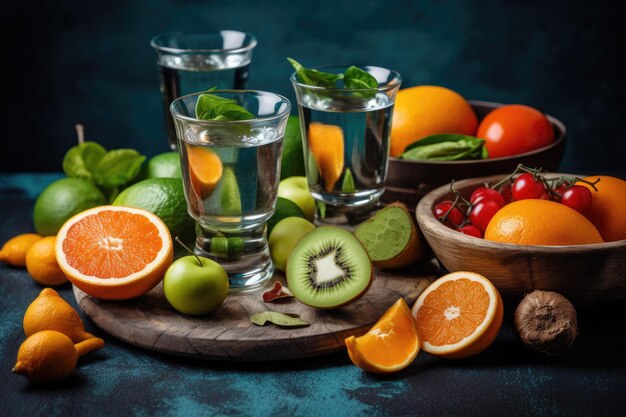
[329, 268]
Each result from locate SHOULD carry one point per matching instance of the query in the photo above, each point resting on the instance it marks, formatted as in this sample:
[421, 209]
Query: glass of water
[346, 144]
[190, 63]
[231, 171]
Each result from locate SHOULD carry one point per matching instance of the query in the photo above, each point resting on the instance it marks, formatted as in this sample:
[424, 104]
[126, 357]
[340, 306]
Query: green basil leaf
[118, 167]
[356, 78]
[81, 161]
[212, 107]
[279, 319]
[347, 185]
[446, 147]
[314, 77]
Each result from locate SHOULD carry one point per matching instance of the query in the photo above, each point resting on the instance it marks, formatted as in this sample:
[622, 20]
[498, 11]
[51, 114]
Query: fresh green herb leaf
[347, 185]
[279, 319]
[446, 147]
[81, 161]
[314, 77]
[356, 78]
[212, 107]
[118, 167]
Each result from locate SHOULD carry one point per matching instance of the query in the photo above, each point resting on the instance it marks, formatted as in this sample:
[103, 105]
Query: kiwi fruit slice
[391, 238]
[329, 268]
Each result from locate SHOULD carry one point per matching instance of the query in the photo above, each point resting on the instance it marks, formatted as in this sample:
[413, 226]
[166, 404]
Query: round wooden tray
[227, 334]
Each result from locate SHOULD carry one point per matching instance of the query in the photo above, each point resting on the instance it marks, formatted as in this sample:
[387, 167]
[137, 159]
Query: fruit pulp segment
[112, 244]
[340, 139]
[386, 236]
[452, 312]
[391, 343]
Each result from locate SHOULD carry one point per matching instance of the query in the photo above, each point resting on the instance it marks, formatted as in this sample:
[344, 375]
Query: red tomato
[514, 129]
[487, 193]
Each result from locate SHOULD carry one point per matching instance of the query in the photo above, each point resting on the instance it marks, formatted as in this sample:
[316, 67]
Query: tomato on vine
[577, 197]
[526, 186]
[482, 212]
[454, 217]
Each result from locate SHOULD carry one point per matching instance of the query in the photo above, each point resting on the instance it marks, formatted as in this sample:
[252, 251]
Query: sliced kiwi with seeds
[329, 268]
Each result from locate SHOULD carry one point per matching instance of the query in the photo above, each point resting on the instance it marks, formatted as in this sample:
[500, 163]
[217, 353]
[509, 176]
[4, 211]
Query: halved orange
[326, 143]
[390, 346]
[458, 315]
[114, 252]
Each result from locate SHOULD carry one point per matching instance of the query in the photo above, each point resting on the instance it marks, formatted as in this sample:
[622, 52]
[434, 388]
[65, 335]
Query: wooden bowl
[585, 274]
[409, 181]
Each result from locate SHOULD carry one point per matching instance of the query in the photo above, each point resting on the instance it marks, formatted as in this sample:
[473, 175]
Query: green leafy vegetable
[356, 78]
[212, 107]
[446, 147]
[279, 319]
[315, 77]
[347, 185]
[118, 167]
[82, 161]
[110, 171]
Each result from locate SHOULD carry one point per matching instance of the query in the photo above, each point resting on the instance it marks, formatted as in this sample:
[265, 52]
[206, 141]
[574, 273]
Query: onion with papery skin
[546, 322]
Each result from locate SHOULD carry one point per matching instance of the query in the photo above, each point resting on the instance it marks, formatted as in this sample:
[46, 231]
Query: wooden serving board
[227, 334]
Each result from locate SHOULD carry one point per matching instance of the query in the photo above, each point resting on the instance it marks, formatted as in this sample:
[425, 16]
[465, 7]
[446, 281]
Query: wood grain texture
[585, 274]
[228, 334]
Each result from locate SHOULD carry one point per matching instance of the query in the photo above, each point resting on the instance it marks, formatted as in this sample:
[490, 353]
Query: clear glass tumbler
[193, 62]
[346, 144]
[231, 171]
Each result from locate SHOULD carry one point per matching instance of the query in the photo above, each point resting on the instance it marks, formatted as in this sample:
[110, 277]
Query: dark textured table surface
[120, 379]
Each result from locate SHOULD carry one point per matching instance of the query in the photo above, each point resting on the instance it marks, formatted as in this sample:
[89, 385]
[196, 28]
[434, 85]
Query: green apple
[296, 189]
[195, 289]
[284, 237]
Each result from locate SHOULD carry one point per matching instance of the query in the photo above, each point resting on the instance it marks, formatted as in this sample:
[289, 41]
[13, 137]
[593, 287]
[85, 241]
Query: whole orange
[541, 222]
[607, 207]
[429, 110]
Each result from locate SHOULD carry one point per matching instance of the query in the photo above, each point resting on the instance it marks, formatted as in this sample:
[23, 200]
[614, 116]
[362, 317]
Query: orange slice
[458, 315]
[114, 252]
[326, 143]
[390, 346]
[205, 169]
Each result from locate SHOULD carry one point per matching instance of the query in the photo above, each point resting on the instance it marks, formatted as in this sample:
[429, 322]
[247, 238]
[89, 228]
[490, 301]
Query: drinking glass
[231, 171]
[345, 135]
[193, 62]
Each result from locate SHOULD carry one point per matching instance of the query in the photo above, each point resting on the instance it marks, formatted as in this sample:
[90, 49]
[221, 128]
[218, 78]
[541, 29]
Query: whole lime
[292, 163]
[61, 200]
[165, 198]
[163, 165]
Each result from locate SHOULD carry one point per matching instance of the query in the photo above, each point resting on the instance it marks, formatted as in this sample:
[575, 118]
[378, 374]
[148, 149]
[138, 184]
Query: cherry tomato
[526, 187]
[455, 217]
[560, 190]
[514, 129]
[471, 230]
[482, 212]
[488, 194]
[577, 197]
[505, 191]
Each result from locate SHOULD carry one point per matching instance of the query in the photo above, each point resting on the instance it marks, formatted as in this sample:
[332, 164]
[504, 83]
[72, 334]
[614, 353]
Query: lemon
[61, 200]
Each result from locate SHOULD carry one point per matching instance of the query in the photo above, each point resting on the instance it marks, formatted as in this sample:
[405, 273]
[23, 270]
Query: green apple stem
[80, 132]
[188, 250]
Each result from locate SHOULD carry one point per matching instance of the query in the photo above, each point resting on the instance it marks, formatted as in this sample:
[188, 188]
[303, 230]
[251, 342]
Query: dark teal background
[90, 62]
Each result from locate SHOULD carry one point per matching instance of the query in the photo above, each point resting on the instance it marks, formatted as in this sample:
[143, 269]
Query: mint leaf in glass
[314, 77]
[357, 79]
[212, 107]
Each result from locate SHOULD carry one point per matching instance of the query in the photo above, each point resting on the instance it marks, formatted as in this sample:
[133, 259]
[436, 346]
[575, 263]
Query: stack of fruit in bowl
[532, 230]
[437, 136]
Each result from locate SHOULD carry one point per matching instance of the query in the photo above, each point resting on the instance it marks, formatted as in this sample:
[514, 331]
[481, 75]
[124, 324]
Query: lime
[292, 164]
[163, 165]
[61, 200]
[165, 198]
[284, 208]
